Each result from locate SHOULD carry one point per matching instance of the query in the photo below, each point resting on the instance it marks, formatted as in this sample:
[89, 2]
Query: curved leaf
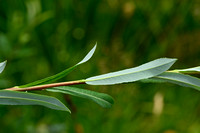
[102, 99]
[180, 79]
[2, 66]
[61, 74]
[144, 71]
[24, 98]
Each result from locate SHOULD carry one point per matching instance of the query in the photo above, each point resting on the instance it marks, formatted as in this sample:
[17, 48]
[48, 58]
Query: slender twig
[40, 87]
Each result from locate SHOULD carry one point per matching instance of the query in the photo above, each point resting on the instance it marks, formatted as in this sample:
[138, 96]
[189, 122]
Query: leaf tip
[89, 55]
[2, 66]
[95, 45]
[171, 59]
[69, 111]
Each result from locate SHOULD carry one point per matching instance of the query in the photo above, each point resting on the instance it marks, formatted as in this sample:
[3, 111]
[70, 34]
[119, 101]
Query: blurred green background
[42, 37]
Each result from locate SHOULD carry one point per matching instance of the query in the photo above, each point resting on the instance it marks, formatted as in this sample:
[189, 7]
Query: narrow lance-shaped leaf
[178, 78]
[61, 74]
[102, 99]
[24, 98]
[144, 71]
[188, 70]
[2, 66]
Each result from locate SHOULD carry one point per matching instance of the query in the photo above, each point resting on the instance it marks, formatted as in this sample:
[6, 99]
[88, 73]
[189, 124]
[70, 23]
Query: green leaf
[180, 79]
[2, 66]
[188, 70]
[144, 71]
[24, 98]
[102, 99]
[61, 74]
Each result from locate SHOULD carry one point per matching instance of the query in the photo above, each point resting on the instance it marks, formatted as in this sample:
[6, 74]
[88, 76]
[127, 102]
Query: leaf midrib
[31, 100]
[122, 74]
[101, 99]
[177, 81]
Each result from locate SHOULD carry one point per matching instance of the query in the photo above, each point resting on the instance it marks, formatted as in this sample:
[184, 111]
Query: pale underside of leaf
[102, 99]
[2, 66]
[178, 78]
[61, 74]
[24, 98]
[144, 71]
[188, 70]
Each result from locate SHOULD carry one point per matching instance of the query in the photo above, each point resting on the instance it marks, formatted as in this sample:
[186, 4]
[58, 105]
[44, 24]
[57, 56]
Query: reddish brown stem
[40, 87]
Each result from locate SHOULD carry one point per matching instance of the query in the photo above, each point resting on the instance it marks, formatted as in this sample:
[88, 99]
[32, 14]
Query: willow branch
[41, 87]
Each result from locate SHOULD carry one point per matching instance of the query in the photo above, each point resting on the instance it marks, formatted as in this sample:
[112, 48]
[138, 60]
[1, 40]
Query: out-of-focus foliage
[42, 37]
